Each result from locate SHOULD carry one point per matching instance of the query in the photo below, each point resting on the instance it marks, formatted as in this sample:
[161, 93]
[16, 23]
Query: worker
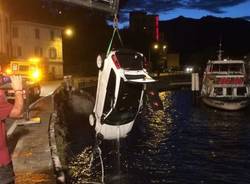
[12, 111]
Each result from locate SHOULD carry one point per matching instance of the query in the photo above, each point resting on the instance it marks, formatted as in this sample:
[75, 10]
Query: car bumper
[111, 132]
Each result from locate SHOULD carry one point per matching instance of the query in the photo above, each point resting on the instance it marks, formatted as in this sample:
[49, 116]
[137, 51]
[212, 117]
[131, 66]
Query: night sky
[169, 9]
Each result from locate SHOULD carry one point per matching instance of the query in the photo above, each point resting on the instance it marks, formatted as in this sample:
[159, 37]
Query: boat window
[229, 91]
[127, 104]
[235, 68]
[223, 68]
[109, 99]
[218, 91]
[241, 91]
[208, 69]
[216, 68]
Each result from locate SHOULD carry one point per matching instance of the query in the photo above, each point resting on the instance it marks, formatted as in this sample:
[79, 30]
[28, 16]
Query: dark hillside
[198, 39]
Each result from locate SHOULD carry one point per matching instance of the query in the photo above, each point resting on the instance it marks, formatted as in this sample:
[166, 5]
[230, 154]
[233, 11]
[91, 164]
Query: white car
[119, 95]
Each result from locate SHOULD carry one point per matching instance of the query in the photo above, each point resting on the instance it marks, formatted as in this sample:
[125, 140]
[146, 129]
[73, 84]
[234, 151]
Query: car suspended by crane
[121, 84]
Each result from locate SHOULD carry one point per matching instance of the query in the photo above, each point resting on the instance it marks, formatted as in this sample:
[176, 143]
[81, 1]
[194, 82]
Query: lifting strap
[115, 31]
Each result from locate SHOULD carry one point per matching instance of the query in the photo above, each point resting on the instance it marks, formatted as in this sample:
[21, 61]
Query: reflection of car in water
[120, 89]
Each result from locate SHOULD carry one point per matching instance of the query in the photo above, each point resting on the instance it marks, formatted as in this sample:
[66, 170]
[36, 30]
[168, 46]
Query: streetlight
[156, 46]
[158, 51]
[69, 32]
[164, 47]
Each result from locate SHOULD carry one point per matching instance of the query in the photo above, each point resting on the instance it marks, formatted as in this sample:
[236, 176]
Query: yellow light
[8, 71]
[69, 32]
[164, 47]
[156, 46]
[34, 60]
[36, 75]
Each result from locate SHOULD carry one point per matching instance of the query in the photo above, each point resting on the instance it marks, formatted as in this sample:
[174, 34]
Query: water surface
[180, 143]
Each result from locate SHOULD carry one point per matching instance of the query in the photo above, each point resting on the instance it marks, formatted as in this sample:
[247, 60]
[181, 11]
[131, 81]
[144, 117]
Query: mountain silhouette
[197, 40]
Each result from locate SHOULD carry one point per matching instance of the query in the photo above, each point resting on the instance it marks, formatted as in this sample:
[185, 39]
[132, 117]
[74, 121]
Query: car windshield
[127, 104]
[130, 60]
[230, 68]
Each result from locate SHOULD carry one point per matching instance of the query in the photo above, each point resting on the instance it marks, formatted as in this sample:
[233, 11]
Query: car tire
[100, 61]
[92, 119]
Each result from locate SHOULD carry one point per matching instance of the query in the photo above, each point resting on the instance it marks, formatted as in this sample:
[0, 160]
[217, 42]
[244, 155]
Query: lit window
[14, 66]
[52, 53]
[19, 51]
[37, 33]
[15, 32]
[38, 51]
[6, 24]
[7, 49]
[52, 35]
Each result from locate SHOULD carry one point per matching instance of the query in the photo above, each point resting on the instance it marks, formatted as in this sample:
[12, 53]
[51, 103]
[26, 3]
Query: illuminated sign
[157, 35]
[236, 80]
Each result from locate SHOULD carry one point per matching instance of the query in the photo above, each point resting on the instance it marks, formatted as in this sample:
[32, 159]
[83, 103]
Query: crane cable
[115, 31]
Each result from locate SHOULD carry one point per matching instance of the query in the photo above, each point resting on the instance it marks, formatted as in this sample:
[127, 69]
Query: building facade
[5, 41]
[140, 21]
[173, 60]
[42, 41]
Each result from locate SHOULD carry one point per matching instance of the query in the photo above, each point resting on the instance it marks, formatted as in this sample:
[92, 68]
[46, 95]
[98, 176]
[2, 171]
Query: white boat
[224, 84]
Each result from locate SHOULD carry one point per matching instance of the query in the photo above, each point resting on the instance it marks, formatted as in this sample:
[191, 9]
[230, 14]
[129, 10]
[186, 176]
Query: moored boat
[224, 84]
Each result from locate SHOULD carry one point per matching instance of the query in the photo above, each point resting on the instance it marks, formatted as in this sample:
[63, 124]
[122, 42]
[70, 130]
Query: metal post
[195, 86]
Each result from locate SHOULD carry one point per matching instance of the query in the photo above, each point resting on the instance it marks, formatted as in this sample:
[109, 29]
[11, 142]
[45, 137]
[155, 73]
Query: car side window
[110, 95]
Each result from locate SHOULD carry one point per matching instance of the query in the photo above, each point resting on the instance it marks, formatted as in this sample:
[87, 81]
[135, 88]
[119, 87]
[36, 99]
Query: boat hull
[226, 103]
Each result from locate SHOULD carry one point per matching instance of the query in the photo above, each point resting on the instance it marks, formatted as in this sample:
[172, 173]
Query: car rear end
[133, 66]
[131, 75]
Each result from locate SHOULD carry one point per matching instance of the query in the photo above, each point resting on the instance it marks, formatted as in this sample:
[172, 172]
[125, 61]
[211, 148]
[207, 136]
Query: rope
[118, 152]
[97, 147]
[101, 160]
[115, 31]
[115, 21]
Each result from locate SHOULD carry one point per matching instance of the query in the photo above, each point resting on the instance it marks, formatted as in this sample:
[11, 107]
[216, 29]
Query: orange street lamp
[69, 32]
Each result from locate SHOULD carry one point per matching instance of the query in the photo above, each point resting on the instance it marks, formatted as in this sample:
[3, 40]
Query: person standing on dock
[13, 111]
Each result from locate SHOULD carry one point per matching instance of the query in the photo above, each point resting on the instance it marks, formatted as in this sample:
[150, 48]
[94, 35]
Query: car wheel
[92, 119]
[100, 61]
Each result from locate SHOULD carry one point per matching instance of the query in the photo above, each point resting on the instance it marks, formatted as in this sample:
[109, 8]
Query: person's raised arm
[16, 83]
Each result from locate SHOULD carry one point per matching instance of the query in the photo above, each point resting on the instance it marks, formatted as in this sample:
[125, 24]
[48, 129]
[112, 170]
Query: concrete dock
[29, 145]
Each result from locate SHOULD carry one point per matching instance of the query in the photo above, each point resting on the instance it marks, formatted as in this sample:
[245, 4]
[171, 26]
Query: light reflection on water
[183, 143]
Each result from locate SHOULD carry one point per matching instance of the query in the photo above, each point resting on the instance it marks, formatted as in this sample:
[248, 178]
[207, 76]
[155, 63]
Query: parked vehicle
[31, 72]
[122, 80]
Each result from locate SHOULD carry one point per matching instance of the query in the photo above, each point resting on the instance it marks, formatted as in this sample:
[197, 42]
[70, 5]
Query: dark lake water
[178, 143]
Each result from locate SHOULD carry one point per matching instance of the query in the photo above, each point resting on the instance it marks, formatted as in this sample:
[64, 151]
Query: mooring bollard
[68, 85]
[195, 86]
[68, 82]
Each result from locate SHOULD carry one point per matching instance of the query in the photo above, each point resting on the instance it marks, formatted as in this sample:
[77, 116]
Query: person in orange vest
[12, 111]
